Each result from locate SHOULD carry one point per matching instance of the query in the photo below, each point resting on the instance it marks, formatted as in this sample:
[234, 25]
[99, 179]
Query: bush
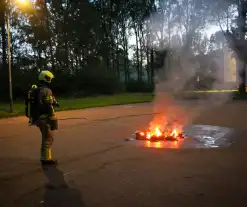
[84, 82]
[139, 86]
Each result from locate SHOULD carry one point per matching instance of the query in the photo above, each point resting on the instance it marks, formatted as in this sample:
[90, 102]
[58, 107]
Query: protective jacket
[46, 103]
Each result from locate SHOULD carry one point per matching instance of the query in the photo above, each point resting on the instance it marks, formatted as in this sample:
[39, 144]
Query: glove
[56, 105]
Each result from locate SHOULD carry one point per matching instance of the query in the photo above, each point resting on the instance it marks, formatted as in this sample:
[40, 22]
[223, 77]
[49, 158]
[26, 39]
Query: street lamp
[22, 2]
[9, 64]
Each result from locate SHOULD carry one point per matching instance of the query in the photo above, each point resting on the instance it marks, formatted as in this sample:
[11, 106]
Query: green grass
[82, 103]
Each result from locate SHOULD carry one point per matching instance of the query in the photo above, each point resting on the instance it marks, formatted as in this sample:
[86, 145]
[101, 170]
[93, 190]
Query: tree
[4, 69]
[235, 32]
[88, 43]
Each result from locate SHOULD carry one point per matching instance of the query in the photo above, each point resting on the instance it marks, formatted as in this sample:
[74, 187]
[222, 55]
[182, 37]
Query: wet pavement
[206, 136]
[195, 136]
[97, 168]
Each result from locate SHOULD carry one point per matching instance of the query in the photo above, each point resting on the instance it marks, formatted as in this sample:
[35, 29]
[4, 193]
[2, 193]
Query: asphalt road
[98, 168]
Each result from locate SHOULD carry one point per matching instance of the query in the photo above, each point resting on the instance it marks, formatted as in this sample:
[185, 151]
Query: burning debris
[158, 135]
[166, 125]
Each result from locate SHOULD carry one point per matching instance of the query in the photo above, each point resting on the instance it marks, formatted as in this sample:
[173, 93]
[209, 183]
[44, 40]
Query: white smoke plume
[172, 78]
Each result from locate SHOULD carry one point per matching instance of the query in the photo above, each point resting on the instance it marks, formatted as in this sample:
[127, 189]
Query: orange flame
[158, 132]
[174, 133]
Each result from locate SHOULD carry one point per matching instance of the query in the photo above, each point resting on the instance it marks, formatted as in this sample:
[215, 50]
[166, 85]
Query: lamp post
[9, 66]
[22, 2]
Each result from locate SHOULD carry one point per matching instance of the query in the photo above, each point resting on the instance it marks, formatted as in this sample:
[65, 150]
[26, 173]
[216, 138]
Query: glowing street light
[20, 3]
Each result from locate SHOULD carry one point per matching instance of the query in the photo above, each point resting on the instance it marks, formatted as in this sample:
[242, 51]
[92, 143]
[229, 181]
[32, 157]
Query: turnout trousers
[47, 139]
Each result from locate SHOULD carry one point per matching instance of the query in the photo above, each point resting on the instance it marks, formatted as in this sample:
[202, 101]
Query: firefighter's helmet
[46, 76]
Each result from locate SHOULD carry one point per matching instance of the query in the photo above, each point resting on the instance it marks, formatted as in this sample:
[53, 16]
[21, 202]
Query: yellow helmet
[46, 76]
[34, 86]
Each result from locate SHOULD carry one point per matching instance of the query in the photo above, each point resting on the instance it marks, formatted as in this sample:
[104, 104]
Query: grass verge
[82, 103]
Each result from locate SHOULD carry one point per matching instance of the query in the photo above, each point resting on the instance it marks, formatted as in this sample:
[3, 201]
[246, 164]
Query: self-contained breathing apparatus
[32, 105]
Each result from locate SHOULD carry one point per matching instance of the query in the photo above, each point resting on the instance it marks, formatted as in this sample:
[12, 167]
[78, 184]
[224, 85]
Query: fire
[174, 133]
[157, 133]
[142, 134]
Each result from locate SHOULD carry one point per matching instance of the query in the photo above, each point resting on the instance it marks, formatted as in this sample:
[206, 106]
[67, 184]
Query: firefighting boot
[30, 121]
[48, 162]
[46, 158]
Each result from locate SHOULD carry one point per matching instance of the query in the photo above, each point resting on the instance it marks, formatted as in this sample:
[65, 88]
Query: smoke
[181, 69]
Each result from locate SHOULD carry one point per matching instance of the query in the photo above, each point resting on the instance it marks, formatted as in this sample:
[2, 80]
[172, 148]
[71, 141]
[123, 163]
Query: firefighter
[47, 120]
